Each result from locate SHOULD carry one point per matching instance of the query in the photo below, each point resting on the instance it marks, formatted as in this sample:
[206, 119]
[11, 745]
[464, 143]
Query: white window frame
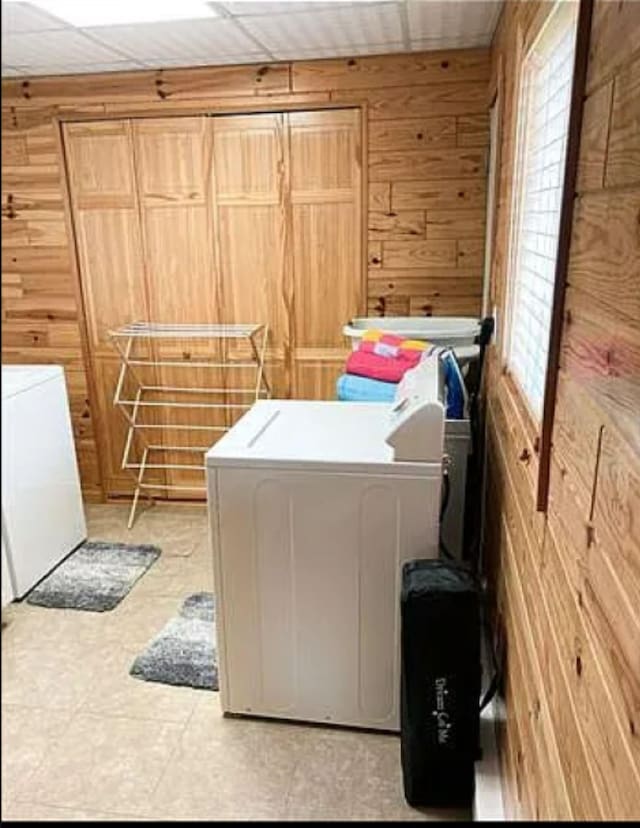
[563, 14]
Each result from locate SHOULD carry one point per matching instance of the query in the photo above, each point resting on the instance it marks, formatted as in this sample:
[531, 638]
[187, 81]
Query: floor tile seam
[57, 807]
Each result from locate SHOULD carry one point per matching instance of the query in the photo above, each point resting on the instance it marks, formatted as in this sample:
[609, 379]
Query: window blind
[544, 110]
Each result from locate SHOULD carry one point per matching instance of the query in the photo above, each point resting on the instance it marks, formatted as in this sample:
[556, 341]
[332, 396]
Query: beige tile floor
[83, 740]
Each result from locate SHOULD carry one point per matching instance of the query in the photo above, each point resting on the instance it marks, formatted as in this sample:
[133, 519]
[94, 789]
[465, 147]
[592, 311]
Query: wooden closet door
[173, 159]
[249, 193]
[326, 234]
[105, 215]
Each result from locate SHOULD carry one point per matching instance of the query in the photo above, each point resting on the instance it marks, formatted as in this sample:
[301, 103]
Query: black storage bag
[440, 675]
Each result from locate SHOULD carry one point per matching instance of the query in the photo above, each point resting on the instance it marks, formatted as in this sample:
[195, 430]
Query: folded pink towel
[388, 369]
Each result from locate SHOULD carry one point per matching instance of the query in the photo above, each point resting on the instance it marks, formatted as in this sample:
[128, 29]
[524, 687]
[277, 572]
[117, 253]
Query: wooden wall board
[623, 148]
[414, 134]
[432, 164]
[166, 85]
[614, 40]
[377, 72]
[577, 566]
[326, 232]
[467, 98]
[448, 194]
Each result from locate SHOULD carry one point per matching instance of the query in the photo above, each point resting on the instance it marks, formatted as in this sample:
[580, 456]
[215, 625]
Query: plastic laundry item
[454, 383]
[393, 340]
[351, 388]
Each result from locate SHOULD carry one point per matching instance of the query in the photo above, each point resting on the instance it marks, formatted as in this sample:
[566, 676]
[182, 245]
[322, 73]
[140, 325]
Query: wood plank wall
[567, 586]
[427, 133]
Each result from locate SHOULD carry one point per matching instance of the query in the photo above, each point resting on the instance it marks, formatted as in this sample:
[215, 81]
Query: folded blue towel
[351, 388]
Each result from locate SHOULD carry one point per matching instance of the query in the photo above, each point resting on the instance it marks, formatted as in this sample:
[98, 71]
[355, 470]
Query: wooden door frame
[184, 111]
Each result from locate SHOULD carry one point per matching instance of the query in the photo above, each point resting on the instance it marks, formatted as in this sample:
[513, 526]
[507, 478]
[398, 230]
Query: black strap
[490, 692]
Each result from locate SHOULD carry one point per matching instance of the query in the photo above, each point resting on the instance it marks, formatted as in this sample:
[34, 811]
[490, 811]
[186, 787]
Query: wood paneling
[440, 96]
[593, 141]
[604, 261]
[449, 194]
[111, 261]
[166, 86]
[250, 182]
[455, 224]
[430, 68]
[434, 164]
[436, 99]
[623, 147]
[614, 40]
[567, 584]
[404, 224]
[413, 134]
[328, 288]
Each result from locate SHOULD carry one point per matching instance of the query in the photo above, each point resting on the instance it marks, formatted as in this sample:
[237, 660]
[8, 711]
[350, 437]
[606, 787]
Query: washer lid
[337, 436]
[19, 378]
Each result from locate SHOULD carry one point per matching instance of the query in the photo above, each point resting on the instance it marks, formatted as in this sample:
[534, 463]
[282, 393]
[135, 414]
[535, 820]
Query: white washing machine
[314, 507]
[42, 513]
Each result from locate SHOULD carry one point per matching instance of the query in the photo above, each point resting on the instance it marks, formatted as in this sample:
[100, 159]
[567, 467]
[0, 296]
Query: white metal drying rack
[124, 340]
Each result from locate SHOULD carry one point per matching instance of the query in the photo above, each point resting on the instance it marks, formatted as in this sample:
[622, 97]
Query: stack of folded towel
[374, 370]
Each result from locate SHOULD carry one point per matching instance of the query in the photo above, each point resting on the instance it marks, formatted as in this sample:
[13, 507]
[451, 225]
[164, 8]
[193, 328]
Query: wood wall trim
[581, 61]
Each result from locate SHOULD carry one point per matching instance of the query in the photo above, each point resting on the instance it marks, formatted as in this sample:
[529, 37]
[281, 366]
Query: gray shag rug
[95, 577]
[184, 651]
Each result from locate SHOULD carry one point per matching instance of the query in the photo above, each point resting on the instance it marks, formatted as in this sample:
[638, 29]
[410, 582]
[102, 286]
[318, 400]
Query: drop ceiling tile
[241, 9]
[452, 19]
[179, 39]
[64, 46]
[19, 18]
[341, 51]
[82, 68]
[331, 28]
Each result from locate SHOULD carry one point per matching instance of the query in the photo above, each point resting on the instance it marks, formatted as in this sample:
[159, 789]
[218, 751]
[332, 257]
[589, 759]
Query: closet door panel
[249, 196]
[100, 165]
[102, 187]
[110, 259]
[181, 276]
[326, 232]
[172, 160]
[326, 292]
[248, 153]
[251, 252]
[324, 151]
[173, 168]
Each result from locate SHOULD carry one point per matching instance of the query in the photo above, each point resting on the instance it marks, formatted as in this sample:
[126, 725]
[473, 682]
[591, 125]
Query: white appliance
[42, 514]
[314, 507]
[6, 583]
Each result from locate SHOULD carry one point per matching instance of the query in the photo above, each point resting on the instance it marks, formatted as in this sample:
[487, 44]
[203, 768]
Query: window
[543, 119]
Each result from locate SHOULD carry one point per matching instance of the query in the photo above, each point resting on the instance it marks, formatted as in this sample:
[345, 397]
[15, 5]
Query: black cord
[487, 632]
[446, 492]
